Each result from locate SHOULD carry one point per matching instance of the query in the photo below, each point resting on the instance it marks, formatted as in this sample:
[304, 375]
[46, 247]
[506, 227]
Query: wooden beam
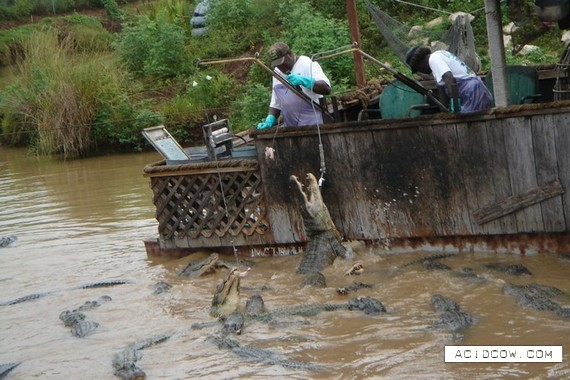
[518, 202]
[355, 36]
[497, 52]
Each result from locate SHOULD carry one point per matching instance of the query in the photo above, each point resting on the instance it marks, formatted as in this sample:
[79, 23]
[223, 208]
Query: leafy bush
[152, 48]
[60, 96]
[251, 107]
[309, 32]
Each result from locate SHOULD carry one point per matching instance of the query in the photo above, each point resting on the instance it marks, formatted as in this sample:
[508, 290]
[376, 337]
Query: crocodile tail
[6, 368]
[103, 284]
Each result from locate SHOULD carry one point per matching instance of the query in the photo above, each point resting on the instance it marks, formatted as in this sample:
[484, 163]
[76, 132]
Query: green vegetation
[76, 84]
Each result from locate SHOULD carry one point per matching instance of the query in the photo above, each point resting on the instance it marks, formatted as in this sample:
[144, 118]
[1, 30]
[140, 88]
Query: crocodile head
[226, 297]
[196, 269]
[316, 217]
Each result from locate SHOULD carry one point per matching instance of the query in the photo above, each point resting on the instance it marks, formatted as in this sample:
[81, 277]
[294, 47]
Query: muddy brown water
[80, 222]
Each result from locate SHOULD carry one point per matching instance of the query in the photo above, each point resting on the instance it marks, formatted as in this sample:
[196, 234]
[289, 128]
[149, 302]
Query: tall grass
[53, 103]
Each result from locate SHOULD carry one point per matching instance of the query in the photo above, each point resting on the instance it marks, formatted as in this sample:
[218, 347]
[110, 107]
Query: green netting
[458, 39]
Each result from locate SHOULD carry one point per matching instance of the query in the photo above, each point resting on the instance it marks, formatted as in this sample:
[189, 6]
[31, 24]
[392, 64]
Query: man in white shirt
[299, 71]
[466, 91]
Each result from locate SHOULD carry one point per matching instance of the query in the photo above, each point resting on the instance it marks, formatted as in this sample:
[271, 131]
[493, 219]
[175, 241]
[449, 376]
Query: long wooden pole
[497, 52]
[355, 36]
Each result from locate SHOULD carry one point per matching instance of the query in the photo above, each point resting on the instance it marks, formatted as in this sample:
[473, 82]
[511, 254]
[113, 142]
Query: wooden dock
[494, 177]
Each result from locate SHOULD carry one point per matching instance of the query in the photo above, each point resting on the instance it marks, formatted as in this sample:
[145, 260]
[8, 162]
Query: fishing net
[458, 39]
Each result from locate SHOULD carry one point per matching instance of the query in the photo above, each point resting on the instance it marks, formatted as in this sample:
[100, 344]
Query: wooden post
[355, 37]
[497, 52]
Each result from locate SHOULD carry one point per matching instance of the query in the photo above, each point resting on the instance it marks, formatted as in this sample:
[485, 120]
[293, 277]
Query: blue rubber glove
[455, 105]
[268, 123]
[300, 80]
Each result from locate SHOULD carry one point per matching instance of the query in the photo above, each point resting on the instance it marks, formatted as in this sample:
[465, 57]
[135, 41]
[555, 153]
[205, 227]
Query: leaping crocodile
[325, 242]
[227, 295]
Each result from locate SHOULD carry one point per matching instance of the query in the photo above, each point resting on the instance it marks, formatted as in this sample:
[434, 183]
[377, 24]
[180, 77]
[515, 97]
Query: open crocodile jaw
[226, 297]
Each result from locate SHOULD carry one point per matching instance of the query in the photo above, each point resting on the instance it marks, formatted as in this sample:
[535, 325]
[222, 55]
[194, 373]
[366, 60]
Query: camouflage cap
[277, 53]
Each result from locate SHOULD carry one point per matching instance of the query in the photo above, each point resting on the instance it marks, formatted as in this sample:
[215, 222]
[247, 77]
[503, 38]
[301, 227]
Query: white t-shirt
[442, 61]
[306, 67]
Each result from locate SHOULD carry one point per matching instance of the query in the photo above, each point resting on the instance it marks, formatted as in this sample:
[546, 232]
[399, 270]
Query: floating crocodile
[78, 321]
[538, 297]
[90, 285]
[80, 325]
[161, 287]
[429, 258]
[7, 368]
[233, 323]
[434, 265]
[264, 356]
[316, 279]
[511, 269]
[124, 362]
[5, 241]
[325, 242]
[452, 317]
[255, 305]
[352, 288]
[368, 305]
[209, 265]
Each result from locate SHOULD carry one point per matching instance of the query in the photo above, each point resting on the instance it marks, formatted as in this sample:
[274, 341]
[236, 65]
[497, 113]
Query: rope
[323, 166]
[227, 214]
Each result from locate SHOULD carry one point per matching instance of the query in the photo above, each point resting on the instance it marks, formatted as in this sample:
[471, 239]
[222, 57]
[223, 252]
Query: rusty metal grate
[194, 206]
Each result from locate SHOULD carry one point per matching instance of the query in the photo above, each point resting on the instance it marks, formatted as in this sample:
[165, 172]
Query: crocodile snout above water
[227, 295]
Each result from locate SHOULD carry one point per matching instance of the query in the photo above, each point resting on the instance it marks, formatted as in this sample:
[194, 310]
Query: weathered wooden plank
[399, 184]
[453, 210]
[562, 127]
[499, 175]
[518, 202]
[477, 160]
[342, 191]
[544, 141]
[522, 172]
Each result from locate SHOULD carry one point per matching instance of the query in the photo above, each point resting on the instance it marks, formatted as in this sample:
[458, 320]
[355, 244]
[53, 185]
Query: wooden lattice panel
[201, 205]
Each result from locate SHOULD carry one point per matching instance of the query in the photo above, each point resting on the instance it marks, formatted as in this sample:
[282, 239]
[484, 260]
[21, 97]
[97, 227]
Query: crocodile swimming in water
[325, 242]
[264, 356]
[7, 240]
[430, 258]
[452, 317]
[78, 322]
[538, 297]
[90, 285]
[124, 362]
[210, 265]
[7, 368]
[511, 269]
[366, 304]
